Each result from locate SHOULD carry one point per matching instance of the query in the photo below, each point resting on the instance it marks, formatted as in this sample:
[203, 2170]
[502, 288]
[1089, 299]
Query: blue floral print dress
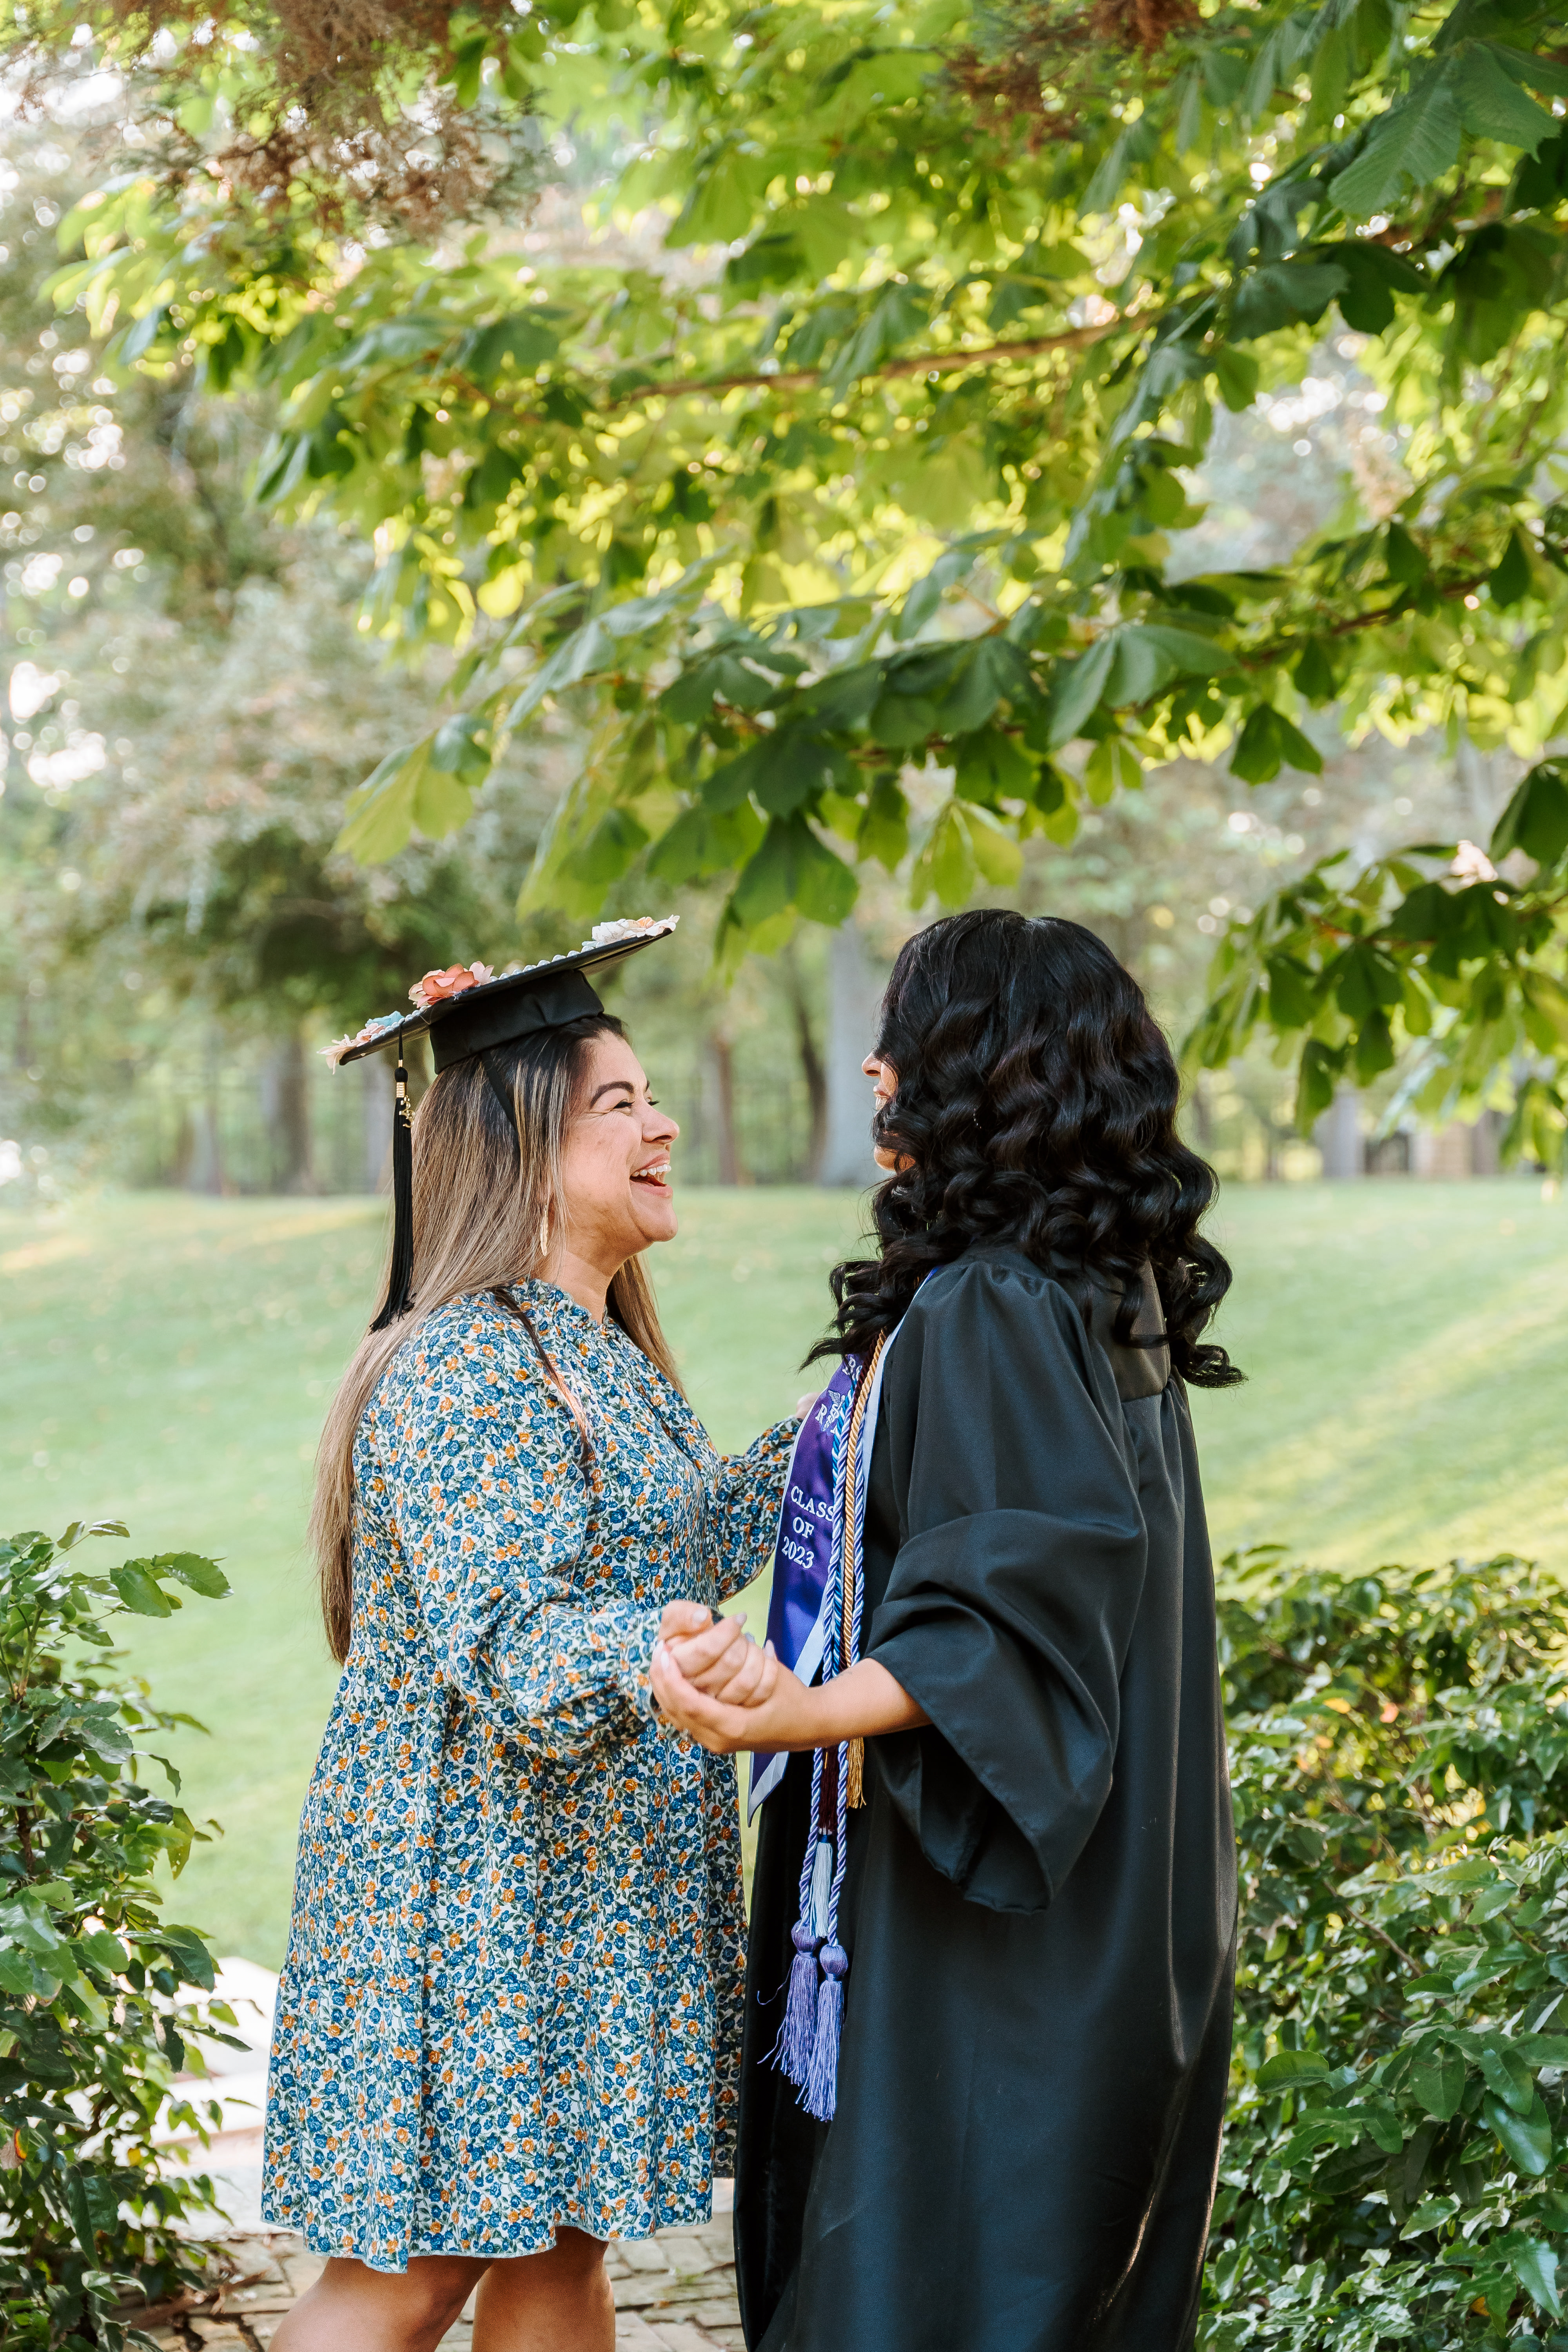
[512, 1994]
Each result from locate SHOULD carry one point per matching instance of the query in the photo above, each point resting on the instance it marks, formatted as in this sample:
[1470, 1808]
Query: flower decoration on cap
[333, 1053]
[631, 926]
[436, 987]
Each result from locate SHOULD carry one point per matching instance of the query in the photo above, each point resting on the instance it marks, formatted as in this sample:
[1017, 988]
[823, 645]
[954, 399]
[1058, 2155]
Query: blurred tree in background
[801, 434]
[832, 468]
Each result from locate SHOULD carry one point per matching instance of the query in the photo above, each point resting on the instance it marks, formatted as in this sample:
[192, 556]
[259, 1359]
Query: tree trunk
[1338, 1137]
[810, 1064]
[851, 1034]
[722, 1056]
[205, 1170]
[376, 1101]
[286, 1106]
[203, 1167]
[1201, 1111]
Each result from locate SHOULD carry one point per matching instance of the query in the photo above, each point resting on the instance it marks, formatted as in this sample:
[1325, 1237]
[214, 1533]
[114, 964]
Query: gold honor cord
[854, 1793]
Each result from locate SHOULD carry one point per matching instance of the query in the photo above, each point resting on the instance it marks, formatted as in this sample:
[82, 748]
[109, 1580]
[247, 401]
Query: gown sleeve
[486, 1484]
[1013, 1596]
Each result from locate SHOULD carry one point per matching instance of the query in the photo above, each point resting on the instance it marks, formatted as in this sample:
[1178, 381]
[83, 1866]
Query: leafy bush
[93, 2007]
[1393, 2168]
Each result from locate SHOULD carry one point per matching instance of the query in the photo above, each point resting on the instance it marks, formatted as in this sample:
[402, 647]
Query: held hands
[716, 1655]
[711, 1680]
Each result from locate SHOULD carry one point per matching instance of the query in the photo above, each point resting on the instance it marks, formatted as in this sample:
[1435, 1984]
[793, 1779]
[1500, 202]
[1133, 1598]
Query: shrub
[1393, 2167]
[94, 2001]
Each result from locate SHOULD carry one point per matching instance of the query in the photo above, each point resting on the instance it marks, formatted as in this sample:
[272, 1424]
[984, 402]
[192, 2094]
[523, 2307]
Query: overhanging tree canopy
[840, 511]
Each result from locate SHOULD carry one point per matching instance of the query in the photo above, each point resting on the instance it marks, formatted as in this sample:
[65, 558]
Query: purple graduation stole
[814, 1621]
[802, 1554]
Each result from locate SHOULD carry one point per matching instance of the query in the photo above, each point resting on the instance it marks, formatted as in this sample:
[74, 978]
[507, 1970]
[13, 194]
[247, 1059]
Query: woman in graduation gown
[1032, 1944]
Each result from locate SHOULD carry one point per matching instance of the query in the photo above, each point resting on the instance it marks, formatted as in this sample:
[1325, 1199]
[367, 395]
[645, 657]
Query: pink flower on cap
[437, 986]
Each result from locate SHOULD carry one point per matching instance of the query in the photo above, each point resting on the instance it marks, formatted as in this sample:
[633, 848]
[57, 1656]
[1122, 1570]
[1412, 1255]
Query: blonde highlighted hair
[487, 1197]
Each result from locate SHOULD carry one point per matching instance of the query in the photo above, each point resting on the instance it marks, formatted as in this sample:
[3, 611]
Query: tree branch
[1074, 339]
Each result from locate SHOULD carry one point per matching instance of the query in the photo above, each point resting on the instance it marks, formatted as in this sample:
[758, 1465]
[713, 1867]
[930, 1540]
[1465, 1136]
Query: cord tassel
[856, 1769]
[791, 2053]
[821, 2088]
[401, 1272]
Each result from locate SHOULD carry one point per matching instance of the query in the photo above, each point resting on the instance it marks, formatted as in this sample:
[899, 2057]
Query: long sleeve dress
[1040, 1894]
[511, 1996]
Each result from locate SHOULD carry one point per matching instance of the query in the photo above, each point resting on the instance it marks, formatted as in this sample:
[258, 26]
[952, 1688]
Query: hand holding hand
[744, 1677]
[716, 1655]
[776, 1713]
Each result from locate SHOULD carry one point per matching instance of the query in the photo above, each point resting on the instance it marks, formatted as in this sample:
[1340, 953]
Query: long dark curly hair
[1035, 1106]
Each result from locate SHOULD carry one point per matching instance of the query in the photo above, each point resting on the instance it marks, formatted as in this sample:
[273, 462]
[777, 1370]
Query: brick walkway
[675, 2293]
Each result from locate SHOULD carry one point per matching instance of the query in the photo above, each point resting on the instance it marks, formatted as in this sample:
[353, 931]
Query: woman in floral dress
[508, 2022]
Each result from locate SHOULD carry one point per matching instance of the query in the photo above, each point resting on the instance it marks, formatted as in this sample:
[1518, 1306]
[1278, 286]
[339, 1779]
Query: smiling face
[614, 1167]
[884, 1087]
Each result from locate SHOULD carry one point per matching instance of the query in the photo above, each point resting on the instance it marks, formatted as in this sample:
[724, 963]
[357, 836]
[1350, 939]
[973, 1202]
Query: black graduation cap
[466, 1009]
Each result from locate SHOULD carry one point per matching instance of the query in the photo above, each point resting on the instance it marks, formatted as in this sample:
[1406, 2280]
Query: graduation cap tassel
[401, 1274]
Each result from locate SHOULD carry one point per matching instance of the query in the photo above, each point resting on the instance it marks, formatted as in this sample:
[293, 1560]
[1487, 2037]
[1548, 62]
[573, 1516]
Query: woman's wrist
[859, 1703]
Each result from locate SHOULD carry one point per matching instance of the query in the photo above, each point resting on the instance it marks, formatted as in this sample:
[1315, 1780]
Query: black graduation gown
[1040, 1898]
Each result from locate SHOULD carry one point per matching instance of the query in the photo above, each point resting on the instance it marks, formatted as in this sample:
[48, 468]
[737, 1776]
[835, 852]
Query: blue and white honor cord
[806, 2051]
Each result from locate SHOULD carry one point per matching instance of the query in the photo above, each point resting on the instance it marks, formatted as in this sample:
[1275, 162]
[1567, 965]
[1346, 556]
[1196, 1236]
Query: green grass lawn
[166, 1360]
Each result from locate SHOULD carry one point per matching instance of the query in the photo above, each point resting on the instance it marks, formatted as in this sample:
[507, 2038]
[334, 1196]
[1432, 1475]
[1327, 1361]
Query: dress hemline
[694, 2214]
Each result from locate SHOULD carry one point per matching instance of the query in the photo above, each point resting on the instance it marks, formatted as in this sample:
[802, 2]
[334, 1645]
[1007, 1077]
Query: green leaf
[793, 869]
[105, 1951]
[784, 769]
[1257, 757]
[1527, 2138]
[946, 863]
[455, 750]
[1416, 142]
[1534, 2265]
[1293, 995]
[1438, 2080]
[379, 817]
[885, 827]
[1289, 2068]
[1510, 582]
[722, 202]
[1536, 818]
[1375, 275]
[1314, 674]
[1508, 2074]
[990, 767]
[138, 1592]
[997, 853]
[1494, 105]
[1236, 373]
[1282, 292]
[525, 339]
[190, 1568]
[1111, 767]
[190, 1954]
[1404, 560]
[995, 671]
[1076, 691]
[702, 841]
